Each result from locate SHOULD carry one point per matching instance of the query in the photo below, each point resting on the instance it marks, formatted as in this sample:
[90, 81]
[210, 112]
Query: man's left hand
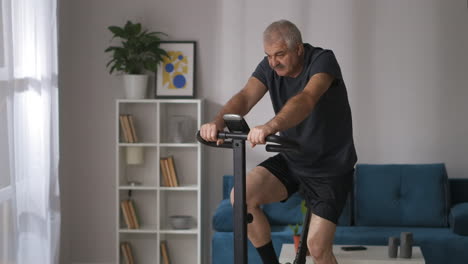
[258, 134]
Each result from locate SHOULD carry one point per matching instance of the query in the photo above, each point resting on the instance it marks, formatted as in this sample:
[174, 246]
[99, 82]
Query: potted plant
[138, 54]
[296, 235]
[295, 228]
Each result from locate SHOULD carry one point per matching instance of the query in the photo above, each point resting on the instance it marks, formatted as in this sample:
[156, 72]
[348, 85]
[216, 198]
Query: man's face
[284, 61]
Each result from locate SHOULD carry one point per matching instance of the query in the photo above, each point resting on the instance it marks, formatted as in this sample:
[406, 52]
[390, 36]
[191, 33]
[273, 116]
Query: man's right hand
[209, 132]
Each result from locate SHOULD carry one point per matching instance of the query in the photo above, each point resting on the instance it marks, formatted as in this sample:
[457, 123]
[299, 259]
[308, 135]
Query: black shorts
[326, 196]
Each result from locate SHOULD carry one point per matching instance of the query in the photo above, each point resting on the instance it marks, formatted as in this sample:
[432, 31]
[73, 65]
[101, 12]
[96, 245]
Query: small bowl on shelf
[181, 221]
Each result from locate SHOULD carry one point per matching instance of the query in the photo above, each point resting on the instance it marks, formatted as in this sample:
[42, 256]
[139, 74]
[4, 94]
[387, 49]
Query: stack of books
[128, 128]
[168, 172]
[129, 214]
[127, 253]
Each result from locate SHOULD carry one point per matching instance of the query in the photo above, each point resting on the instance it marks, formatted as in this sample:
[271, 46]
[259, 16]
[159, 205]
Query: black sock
[267, 253]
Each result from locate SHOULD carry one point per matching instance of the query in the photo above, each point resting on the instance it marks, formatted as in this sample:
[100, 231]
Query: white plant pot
[135, 86]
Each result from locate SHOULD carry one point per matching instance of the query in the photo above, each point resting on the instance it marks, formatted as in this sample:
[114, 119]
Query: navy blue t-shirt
[326, 135]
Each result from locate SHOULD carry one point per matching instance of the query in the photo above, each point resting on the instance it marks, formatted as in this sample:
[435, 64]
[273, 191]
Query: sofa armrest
[458, 219]
[222, 217]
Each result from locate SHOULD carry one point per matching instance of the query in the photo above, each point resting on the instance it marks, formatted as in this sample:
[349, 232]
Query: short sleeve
[325, 62]
[261, 71]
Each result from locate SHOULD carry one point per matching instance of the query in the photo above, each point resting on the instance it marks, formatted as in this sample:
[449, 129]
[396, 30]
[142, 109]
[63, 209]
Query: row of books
[128, 211]
[127, 253]
[128, 128]
[168, 172]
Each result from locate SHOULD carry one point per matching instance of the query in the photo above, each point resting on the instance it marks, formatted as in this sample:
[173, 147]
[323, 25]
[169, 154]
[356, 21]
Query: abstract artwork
[175, 75]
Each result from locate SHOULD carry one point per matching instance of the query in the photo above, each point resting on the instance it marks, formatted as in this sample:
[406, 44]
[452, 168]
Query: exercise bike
[235, 139]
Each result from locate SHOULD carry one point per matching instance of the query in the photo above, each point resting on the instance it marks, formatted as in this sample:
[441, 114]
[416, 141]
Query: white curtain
[29, 193]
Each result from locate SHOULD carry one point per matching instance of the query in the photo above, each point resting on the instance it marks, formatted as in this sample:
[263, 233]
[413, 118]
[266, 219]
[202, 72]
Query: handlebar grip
[279, 148]
[284, 142]
[213, 144]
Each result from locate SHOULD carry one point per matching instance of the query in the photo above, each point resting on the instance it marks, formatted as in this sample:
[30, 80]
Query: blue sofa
[386, 200]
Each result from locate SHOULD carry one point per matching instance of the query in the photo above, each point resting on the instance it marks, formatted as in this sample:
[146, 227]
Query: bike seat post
[240, 206]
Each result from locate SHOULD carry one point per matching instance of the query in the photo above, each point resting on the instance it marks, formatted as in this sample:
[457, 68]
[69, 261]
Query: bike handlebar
[282, 144]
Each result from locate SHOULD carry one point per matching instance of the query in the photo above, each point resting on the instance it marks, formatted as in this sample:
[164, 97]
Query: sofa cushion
[228, 183]
[401, 195]
[285, 213]
[222, 218]
[459, 219]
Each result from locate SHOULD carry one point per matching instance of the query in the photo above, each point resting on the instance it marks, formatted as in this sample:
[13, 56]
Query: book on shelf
[132, 128]
[126, 213]
[168, 172]
[129, 213]
[133, 214]
[128, 128]
[164, 173]
[164, 253]
[124, 129]
[127, 252]
[172, 170]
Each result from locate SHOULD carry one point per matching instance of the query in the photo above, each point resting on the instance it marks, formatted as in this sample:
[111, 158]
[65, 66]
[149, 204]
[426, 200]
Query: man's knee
[318, 250]
[254, 193]
[251, 201]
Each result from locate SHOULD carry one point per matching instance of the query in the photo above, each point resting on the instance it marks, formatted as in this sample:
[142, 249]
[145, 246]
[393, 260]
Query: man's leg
[262, 187]
[320, 240]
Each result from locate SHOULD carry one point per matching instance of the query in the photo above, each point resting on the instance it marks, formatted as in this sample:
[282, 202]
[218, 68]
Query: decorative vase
[297, 240]
[181, 129]
[135, 86]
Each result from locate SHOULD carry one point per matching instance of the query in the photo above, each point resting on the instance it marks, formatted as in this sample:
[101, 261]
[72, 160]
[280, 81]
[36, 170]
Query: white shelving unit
[154, 203]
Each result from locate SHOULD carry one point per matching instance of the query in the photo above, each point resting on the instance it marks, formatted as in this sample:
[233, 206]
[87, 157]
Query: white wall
[87, 101]
[404, 63]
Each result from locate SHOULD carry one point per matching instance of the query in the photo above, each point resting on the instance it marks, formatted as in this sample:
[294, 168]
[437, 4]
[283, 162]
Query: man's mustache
[279, 66]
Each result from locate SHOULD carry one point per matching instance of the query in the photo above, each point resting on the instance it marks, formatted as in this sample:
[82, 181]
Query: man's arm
[240, 104]
[296, 109]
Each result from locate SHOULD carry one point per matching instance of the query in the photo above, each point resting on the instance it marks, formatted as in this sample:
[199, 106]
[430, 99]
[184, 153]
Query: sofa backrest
[401, 195]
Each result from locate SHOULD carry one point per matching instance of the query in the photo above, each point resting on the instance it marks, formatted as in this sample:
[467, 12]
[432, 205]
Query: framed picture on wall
[175, 77]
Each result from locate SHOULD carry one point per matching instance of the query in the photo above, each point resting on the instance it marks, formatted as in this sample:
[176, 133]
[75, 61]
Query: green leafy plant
[139, 51]
[303, 208]
[295, 228]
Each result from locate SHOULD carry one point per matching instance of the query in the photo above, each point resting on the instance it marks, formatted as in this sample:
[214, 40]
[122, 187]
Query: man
[311, 104]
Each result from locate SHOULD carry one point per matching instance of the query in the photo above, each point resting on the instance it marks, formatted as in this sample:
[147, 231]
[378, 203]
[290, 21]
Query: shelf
[162, 101]
[172, 145]
[181, 247]
[179, 145]
[185, 163]
[137, 144]
[138, 188]
[142, 246]
[149, 229]
[181, 188]
[163, 128]
[181, 232]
